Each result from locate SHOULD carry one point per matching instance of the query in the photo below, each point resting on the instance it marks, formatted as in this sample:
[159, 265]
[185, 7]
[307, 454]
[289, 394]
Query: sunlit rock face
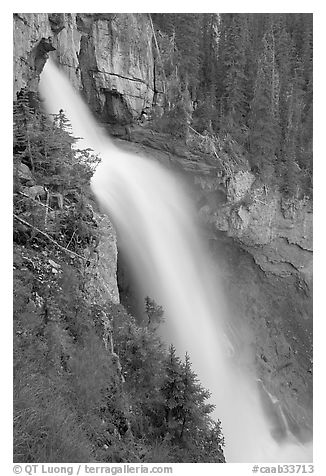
[106, 56]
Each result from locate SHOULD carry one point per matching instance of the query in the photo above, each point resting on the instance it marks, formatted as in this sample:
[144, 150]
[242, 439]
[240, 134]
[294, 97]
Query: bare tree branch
[24, 222]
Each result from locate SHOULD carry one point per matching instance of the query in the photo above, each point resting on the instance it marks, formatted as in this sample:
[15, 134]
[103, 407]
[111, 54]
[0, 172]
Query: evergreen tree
[221, 66]
[24, 122]
[209, 52]
[305, 158]
[264, 110]
[186, 29]
[194, 409]
[292, 150]
[61, 173]
[154, 313]
[195, 435]
[205, 116]
[284, 61]
[241, 71]
[235, 98]
[172, 390]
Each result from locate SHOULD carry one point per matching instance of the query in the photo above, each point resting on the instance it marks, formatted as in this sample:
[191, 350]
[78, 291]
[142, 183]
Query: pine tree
[305, 158]
[194, 409]
[284, 61]
[240, 70]
[196, 437]
[291, 177]
[205, 114]
[25, 121]
[154, 313]
[59, 171]
[235, 96]
[264, 110]
[209, 52]
[172, 390]
[187, 28]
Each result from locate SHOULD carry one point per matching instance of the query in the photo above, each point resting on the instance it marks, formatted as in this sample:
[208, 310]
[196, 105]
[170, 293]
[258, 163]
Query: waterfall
[157, 230]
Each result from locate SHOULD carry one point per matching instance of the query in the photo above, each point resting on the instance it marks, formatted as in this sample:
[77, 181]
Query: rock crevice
[137, 80]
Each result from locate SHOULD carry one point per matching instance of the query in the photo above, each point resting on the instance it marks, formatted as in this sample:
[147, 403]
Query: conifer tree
[60, 172]
[264, 110]
[292, 142]
[25, 121]
[284, 61]
[187, 29]
[234, 99]
[172, 391]
[240, 70]
[154, 313]
[306, 135]
[194, 434]
[209, 53]
[194, 410]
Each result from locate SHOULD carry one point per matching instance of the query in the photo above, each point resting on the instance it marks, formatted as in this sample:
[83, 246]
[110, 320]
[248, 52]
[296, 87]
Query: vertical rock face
[121, 74]
[106, 56]
[102, 284]
[29, 29]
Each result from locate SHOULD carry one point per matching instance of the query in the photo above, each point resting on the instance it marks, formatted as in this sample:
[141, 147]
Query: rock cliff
[275, 231]
[102, 283]
[108, 57]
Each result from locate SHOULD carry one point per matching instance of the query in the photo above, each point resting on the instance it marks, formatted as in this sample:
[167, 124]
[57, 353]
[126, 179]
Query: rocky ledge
[277, 232]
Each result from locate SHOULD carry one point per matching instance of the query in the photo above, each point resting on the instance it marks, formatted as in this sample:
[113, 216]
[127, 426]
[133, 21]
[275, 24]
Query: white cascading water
[156, 226]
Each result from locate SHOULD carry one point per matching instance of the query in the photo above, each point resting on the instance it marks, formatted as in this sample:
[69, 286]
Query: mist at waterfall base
[157, 231]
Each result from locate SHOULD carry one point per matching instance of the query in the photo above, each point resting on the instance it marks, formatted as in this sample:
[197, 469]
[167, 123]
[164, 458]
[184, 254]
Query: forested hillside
[249, 79]
[90, 383]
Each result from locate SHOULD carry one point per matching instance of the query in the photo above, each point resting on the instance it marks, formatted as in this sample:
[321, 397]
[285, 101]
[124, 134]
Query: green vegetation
[248, 80]
[90, 383]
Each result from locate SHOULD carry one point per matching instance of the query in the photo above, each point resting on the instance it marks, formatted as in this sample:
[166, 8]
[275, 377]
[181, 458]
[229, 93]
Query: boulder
[239, 185]
[34, 192]
[24, 174]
